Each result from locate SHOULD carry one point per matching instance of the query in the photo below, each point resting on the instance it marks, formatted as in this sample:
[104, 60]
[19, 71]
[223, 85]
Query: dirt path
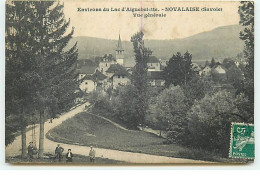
[15, 148]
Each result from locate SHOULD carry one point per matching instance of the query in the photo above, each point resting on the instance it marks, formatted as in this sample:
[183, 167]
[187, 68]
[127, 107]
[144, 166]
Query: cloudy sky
[174, 25]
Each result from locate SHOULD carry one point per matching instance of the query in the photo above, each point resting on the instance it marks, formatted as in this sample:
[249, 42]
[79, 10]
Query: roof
[114, 67]
[121, 72]
[119, 45]
[107, 58]
[87, 70]
[155, 75]
[98, 76]
[196, 67]
[153, 59]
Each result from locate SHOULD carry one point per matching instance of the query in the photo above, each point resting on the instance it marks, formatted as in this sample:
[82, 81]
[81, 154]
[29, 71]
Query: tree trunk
[23, 132]
[41, 136]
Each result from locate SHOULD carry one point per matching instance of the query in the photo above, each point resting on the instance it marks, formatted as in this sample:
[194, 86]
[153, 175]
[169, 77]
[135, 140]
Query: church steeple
[119, 52]
[119, 45]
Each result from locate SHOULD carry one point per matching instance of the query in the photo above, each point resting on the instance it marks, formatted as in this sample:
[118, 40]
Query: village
[113, 72]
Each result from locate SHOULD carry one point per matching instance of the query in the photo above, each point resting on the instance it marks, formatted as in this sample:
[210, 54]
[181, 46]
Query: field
[93, 130]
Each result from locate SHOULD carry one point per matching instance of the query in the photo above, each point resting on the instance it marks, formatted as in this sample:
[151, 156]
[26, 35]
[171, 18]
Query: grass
[86, 129]
[78, 159]
[92, 130]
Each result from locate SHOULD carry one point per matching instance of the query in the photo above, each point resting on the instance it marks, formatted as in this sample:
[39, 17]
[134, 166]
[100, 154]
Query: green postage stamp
[242, 141]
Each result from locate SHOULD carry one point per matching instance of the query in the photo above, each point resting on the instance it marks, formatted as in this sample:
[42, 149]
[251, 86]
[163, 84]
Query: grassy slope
[92, 130]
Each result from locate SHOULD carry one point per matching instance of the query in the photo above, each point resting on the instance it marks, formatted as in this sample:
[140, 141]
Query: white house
[219, 69]
[120, 78]
[87, 84]
[153, 64]
[205, 71]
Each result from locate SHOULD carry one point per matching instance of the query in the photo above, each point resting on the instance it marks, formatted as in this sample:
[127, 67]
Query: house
[218, 68]
[196, 68]
[106, 62]
[205, 71]
[113, 69]
[120, 78]
[155, 78]
[100, 79]
[87, 84]
[153, 64]
[85, 70]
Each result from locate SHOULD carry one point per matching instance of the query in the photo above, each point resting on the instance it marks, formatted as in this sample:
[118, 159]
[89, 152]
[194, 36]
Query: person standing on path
[69, 156]
[30, 151]
[92, 154]
[58, 152]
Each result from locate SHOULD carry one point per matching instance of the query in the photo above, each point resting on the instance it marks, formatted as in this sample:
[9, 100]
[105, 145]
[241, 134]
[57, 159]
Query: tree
[197, 88]
[178, 70]
[40, 70]
[206, 63]
[127, 106]
[212, 62]
[170, 111]
[234, 75]
[210, 119]
[20, 80]
[228, 63]
[55, 63]
[246, 12]
[139, 76]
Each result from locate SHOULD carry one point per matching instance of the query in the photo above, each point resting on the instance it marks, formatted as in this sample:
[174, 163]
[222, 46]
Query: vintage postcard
[129, 82]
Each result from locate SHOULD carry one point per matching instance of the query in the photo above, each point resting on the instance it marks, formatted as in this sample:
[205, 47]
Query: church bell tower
[119, 52]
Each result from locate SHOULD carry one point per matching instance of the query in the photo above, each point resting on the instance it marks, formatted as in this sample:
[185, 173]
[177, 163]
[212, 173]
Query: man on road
[58, 152]
[92, 154]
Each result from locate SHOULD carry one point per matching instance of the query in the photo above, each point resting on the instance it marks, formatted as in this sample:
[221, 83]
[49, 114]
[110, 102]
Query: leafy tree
[197, 88]
[234, 75]
[127, 106]
[139, 76]
[246, 12]
[178, 70]
[228, 63]
[209, 121]
[170, 111]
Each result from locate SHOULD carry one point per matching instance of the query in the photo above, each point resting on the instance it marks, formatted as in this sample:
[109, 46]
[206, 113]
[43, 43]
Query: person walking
[69, 156]
[92, 154]
[58, 152]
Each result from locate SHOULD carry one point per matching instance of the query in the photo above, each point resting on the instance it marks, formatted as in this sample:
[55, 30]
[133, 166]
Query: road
[14, 149]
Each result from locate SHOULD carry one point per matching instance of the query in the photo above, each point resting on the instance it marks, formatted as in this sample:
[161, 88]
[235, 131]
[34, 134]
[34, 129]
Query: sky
[175, 25]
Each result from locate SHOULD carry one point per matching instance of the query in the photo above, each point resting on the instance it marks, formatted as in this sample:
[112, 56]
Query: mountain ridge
[221, 42]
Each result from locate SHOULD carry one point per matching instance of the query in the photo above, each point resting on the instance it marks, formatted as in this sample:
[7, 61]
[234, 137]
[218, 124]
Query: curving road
[14, 149]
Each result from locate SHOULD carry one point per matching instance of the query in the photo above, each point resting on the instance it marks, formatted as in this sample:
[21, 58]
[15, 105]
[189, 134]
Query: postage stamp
[242, 141]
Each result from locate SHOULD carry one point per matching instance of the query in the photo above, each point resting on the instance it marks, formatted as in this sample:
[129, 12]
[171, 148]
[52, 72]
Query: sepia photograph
[110, 83]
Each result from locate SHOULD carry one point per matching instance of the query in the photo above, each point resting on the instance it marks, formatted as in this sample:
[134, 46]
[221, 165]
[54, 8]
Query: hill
[221, 42]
